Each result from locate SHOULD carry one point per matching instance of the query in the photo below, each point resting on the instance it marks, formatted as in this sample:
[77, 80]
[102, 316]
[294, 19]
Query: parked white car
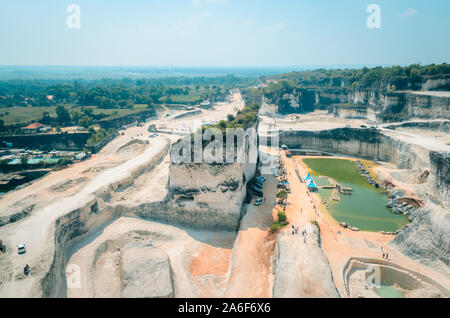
[21, 249]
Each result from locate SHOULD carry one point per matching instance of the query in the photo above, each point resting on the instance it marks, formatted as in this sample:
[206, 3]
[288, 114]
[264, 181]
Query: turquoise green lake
[389, 292]
[365, 208]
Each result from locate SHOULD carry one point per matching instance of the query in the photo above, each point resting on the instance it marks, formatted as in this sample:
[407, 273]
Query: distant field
[19, 114]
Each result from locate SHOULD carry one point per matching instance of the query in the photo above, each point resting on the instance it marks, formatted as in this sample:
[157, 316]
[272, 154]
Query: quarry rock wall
[396, 106]
[67, 230]
[127, 119]
[439, 181]
[365, 143]
[92, 215]
[375, 105]
[49, 141]
[441, 83]
[208, 195]
[426, 239]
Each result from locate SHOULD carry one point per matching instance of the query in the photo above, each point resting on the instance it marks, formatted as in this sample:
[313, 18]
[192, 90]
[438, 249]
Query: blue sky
[224, 32]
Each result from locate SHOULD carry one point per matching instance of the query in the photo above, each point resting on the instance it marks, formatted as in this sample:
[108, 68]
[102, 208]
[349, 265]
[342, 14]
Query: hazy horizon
[12, 72]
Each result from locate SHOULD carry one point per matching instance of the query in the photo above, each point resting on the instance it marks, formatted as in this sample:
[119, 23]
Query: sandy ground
[317, 120]
[218, 112]
[206, 252]
[420, 138]
[320, 120]
[205, 263]
[242, 267]
[250, 273]
[62, 191]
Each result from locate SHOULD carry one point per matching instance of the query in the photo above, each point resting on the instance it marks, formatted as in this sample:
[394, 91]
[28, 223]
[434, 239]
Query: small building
[33, 128]
[205, 105]
[80, 156]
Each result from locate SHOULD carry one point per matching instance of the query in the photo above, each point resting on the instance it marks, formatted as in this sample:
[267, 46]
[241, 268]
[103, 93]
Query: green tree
[46, 119]
[63, 115]
[85, 121]
[230, 117]
[281, 217]
[222, 124]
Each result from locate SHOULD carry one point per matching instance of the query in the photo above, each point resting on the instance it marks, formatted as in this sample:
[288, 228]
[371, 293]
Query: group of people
[295, 231]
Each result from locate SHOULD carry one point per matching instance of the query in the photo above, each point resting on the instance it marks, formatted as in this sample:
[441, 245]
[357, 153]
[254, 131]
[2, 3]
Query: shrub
[282, 217]
[275, 226]
[64, 161]
[280, 223]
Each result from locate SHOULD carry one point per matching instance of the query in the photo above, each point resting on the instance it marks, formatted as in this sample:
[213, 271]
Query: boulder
[146, 272]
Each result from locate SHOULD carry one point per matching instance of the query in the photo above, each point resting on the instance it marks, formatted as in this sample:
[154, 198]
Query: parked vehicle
[258, 202]
[257, 192]
[258, 185]
[258, 182]
[21, 249]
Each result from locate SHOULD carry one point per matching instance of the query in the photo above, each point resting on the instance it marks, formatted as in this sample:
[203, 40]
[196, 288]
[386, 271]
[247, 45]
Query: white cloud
[198, 3]
[221, 2]
[409, 13]
[277, 27]
[190, 24]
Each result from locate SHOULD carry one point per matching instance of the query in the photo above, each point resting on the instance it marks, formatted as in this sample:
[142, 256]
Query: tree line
[383, 78]
[115, 93]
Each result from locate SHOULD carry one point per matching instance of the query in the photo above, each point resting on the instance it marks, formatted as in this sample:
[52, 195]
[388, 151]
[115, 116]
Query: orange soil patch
[250, 277]
[210, 261]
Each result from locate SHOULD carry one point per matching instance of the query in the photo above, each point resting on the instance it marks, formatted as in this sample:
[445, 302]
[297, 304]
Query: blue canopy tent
[311, 184]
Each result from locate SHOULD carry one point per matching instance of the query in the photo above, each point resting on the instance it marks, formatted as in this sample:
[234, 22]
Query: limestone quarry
[128, 222]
